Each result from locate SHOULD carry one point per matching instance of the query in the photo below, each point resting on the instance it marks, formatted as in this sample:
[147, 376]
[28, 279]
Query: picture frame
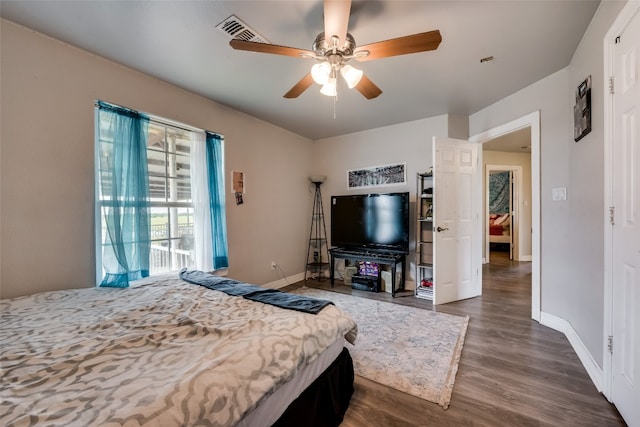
[238, 181]
[582, 110]
[238, 186]
[377, 176]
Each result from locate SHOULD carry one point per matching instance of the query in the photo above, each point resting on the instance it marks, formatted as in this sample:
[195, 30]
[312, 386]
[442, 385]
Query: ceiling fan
[334, 47]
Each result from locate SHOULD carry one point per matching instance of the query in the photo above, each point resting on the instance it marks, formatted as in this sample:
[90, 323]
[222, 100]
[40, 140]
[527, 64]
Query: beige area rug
[409, 349]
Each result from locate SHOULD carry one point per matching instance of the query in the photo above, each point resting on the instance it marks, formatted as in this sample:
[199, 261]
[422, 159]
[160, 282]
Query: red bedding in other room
[497, 224]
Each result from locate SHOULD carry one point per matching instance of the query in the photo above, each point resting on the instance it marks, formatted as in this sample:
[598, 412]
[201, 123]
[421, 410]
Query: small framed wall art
[238, 186]
[582, 110]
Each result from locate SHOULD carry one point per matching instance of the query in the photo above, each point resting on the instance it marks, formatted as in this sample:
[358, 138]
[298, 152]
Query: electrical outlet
[273, 265]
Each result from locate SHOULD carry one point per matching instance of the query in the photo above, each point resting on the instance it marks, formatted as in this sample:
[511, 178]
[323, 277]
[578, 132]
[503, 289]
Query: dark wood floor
[513, 371]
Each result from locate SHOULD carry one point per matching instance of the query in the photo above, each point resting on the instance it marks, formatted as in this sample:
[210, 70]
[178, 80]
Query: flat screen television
[377, 222]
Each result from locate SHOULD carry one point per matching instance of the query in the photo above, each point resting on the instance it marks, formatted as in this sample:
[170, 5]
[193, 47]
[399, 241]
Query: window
[172, 241]
[147, 223]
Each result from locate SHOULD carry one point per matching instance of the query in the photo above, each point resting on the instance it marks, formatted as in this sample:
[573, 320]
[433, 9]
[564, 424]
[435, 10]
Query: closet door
[624, 343]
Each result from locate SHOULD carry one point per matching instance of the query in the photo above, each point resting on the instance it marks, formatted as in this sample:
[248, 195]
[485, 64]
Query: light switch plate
[559, 193]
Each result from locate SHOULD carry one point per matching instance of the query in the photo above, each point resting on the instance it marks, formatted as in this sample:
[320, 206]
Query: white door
[625, 362]
[457, 231]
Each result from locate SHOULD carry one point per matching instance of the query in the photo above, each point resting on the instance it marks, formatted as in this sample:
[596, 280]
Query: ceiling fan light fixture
[320, 72]
[329, 88]
[351, 75]
[337, 48]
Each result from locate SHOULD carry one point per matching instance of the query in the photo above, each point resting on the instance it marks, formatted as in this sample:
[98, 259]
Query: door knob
[439, 229]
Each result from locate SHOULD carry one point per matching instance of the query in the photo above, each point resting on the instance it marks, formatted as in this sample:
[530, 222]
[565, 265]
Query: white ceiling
[177, 41]
[518, 141]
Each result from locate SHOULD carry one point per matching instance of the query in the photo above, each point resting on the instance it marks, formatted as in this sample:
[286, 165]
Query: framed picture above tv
[377, 176]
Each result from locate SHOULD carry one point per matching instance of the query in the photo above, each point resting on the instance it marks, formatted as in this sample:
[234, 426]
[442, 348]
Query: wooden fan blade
[300, 87]
[336, 20]
[268, 48]
[420, 42]
[367, 88]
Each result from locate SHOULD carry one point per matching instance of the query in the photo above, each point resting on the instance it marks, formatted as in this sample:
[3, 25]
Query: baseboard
[526, 258]
[587, 360]
[289, 280]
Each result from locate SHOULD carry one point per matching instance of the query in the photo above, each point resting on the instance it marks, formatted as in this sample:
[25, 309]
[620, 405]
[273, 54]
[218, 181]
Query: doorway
[529, 125]
[508, 191]
[502, 211]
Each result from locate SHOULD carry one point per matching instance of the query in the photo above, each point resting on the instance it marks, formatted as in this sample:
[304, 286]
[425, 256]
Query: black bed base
[325, 401]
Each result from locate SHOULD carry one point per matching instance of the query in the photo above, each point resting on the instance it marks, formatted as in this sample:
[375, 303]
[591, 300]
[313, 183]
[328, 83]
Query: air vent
[236, 29]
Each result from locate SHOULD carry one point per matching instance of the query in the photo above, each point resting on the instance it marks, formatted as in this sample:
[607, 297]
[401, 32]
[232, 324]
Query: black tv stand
[362, 254]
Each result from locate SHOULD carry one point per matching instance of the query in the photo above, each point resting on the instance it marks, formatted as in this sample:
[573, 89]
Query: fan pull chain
[335, 99]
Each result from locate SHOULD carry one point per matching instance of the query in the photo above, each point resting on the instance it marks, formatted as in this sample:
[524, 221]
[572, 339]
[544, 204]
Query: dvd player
[365, 283]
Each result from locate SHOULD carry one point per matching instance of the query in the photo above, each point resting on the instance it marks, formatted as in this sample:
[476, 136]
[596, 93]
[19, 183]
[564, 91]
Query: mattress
[500, 239]
[162, 353]
[272, 408]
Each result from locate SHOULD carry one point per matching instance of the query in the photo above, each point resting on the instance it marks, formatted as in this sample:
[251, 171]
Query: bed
[499, 228]
[166, 353]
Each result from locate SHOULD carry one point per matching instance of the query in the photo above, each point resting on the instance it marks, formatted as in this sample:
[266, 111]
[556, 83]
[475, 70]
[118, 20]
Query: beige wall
[47, 166]
[523, 160]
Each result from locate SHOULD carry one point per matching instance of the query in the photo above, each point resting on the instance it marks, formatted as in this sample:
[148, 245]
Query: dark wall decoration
[582, 110]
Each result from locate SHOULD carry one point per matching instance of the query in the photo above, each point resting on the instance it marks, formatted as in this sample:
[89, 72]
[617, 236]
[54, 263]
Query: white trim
[97, 210]
[531, 120]
[624, 18]
[587, 360]
[526, 258]
[285, 281]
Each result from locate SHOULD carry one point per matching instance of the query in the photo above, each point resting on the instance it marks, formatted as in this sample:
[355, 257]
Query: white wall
[47, 167]
[586, 190]
[524, 208]
[458, 126]
[572, 242]
[408, 143]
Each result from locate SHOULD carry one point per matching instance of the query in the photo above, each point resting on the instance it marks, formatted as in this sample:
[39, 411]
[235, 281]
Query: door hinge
[611, 85]
[610, 343]
[612, 215]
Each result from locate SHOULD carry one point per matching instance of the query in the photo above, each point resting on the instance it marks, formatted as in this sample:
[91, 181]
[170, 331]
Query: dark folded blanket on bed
[253, 292]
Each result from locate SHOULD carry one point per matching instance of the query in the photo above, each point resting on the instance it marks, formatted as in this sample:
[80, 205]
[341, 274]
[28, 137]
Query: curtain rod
[158, 120]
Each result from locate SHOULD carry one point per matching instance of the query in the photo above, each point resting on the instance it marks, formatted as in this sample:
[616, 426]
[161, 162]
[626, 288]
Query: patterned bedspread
[163, 353]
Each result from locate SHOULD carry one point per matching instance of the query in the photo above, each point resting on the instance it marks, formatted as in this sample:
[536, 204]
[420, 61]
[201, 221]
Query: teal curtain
[215, 172]
[123, 201]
